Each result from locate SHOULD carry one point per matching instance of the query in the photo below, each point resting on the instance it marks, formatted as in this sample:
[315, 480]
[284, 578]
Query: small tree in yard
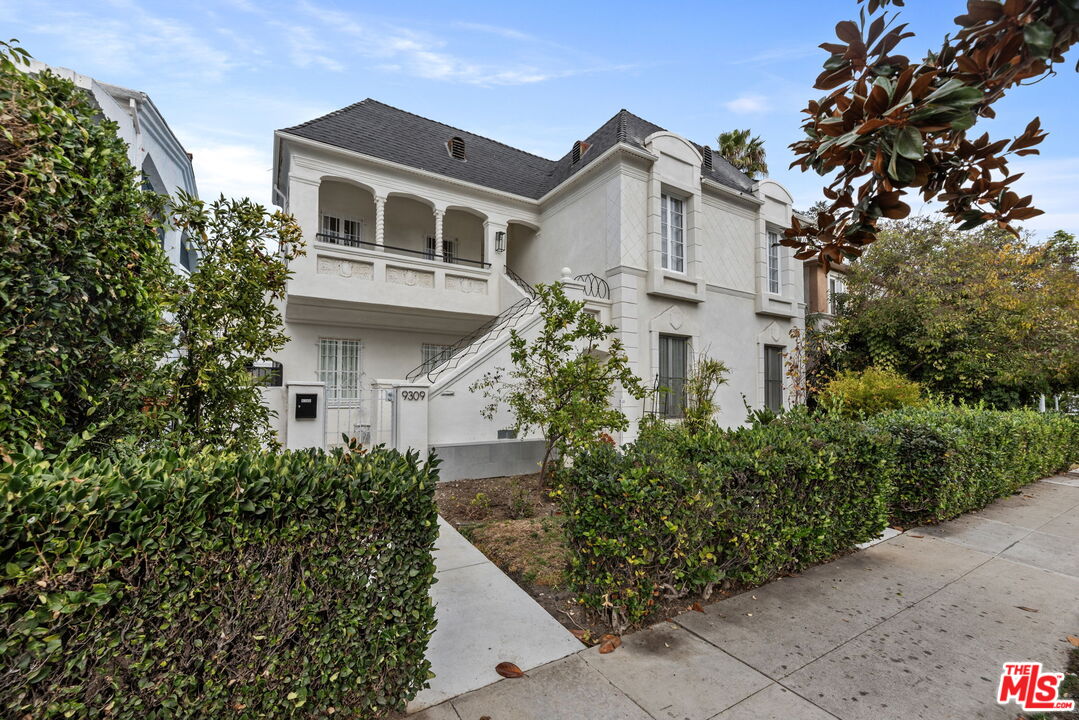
[226, 319]
[563, 380]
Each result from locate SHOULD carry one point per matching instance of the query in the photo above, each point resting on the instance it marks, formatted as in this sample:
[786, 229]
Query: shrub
[82, 274]
[869, 392]
[678, 511]
[185, 584]
[948, 460]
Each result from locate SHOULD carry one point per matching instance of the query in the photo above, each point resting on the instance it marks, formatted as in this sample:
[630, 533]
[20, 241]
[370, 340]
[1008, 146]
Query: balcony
[427, 254]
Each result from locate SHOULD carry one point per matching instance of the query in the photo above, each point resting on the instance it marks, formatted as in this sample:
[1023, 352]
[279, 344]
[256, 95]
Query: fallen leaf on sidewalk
[608, 644]
[1073, 640]
[508, 670]
[917, 536]
[1027, 609]
[583, 635]
[696, 606]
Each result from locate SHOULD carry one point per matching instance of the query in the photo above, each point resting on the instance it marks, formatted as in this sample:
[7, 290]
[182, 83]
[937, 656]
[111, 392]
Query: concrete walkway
[917, 626]
[484, 618]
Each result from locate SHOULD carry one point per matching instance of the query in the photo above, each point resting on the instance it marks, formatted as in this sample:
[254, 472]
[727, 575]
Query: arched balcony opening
[410, 227]
[462, 238]
[520, 248]
[346, 214]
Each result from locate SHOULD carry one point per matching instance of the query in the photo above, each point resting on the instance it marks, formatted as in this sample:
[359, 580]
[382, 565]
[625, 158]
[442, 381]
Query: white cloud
[127, 42]
[508, 33]
[233, 169]
[747, 104]
[424, 55]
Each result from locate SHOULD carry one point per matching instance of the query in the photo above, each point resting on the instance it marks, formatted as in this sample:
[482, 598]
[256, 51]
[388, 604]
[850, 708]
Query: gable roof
[373, 128]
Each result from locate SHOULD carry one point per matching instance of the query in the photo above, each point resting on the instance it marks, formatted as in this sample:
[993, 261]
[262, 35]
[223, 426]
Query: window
[434, 355]
[341, 231]
[835, 287]
[672, 225]
[339, 368]
[773, 377]
[673, 364]
[579, 148]
[449, 247]
[773, 263]
[707, 157]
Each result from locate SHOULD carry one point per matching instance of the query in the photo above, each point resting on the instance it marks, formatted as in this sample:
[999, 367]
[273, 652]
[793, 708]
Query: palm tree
[744, 152]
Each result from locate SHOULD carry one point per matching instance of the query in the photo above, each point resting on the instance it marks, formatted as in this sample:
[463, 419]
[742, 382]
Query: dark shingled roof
[379, 130]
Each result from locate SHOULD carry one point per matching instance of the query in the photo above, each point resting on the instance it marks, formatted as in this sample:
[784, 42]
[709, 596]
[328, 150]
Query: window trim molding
[664, 225]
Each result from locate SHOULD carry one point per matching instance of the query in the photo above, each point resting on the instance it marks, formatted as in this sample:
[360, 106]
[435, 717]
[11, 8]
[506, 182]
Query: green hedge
[676, 512]
[193, 585]
[950, 460]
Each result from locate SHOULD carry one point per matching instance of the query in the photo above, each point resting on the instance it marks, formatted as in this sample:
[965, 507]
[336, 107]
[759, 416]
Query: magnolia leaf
[508, 670]
[908, 143]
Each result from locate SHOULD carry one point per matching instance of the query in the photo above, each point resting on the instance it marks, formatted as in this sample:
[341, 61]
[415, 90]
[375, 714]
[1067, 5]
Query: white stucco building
[420, 234]
[152, 148]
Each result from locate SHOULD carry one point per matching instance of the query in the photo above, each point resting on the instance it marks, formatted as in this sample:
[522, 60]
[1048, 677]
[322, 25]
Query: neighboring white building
[419, 234]
[151, 147]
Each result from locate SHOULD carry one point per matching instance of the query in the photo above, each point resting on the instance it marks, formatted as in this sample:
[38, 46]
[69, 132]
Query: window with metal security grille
[673, 368]
[773, 377]
[339, 368]
[456, 147]
[672, 230]
[434, 355]
[773, 263]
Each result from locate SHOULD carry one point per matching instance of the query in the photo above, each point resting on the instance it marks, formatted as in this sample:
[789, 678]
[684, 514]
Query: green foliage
[83, 277]
[563, 380]
[227, 318]
[191, 584]
[678, 511]
[869, 392]
[972, 315]
[705, 377]
[951, 460]
[744, 152]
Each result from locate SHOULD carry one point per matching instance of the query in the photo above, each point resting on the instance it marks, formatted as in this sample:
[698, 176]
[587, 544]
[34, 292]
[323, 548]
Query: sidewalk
[914, 627]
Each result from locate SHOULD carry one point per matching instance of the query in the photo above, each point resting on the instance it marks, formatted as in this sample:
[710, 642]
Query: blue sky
[534, 75]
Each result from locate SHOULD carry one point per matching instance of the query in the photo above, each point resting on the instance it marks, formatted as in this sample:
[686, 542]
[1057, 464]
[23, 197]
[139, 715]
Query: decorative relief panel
[466, 284]
[345, 268]
[412, 278]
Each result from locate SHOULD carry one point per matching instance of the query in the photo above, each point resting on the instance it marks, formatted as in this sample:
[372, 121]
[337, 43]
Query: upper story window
[836, 286]
[773, 263]
[456, 147]
[434, 355]
[449, 249]
[706, 157]
[672, 227]
[341, 231]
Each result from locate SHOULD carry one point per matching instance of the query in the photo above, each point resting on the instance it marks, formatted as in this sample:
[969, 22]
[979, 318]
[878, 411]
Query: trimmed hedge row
[947, 461]
[193, 585]
[677, 512]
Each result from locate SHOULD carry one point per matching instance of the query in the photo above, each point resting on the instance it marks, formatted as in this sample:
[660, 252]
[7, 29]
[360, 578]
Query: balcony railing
[345, 240]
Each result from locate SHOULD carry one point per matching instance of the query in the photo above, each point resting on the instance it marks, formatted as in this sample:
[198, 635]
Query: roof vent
[579, 149]
[707, 157]
[456, 147]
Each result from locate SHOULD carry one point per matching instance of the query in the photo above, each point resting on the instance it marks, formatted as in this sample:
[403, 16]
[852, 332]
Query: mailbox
[306, 406]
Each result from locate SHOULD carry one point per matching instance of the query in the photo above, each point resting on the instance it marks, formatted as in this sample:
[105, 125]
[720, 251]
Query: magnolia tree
[888, 126]
[563, 381]
[227, 318]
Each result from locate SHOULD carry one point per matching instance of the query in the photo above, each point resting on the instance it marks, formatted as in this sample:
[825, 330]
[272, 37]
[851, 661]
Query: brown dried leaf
[696, 607]
[508, 670]
[1026, 609]
[1073, 640]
